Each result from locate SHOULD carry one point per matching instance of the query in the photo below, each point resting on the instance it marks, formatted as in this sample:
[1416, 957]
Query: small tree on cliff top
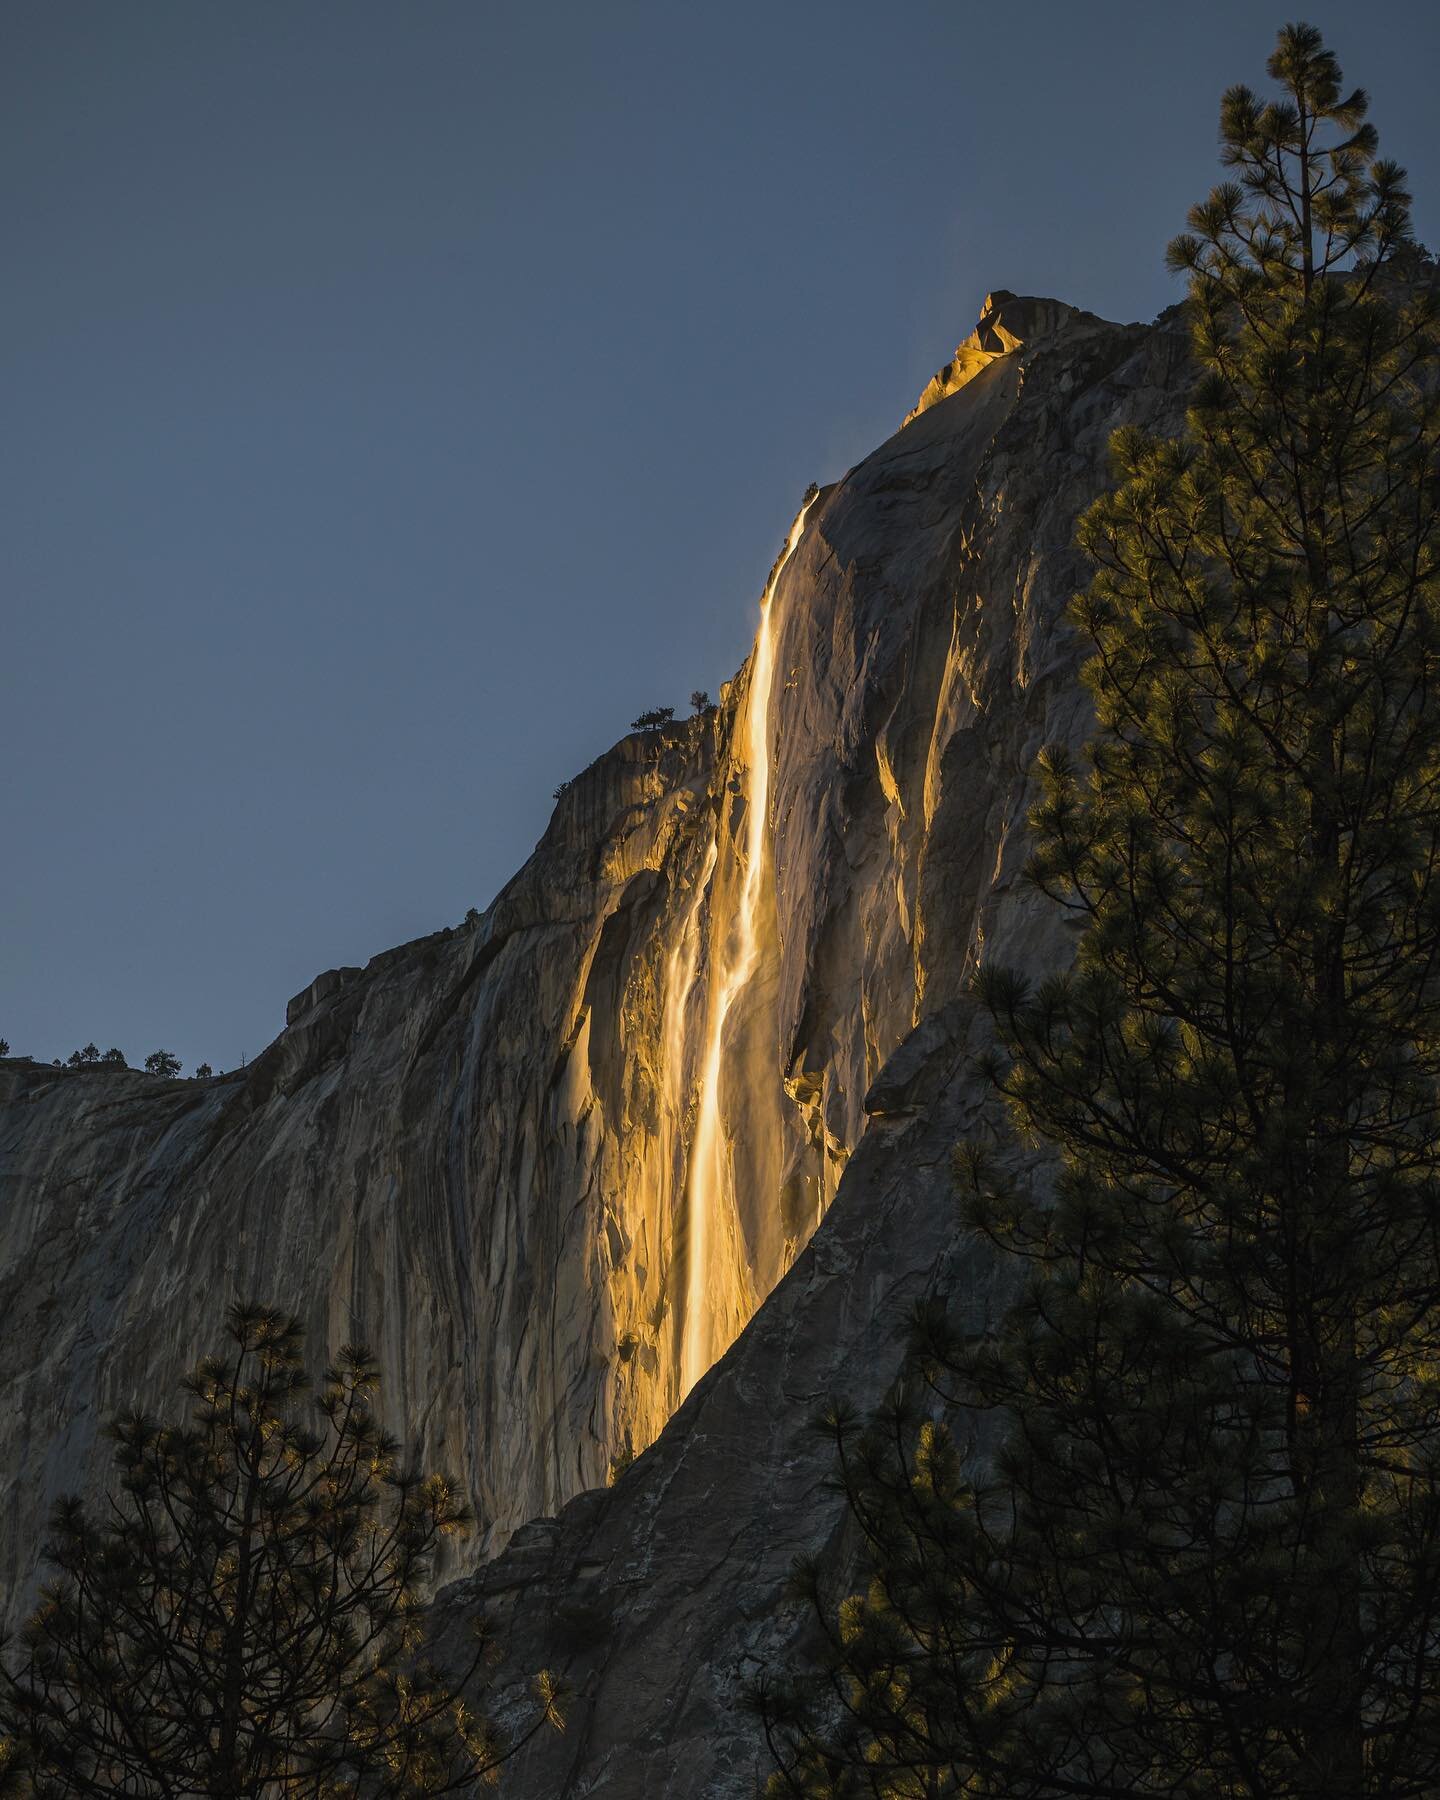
[653, 719]
[247, 1617]
[1208, 1562]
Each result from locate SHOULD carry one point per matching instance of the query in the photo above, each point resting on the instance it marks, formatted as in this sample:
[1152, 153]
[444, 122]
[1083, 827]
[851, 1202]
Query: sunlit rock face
[923, 660]
[460, 1153]
[550, 1163]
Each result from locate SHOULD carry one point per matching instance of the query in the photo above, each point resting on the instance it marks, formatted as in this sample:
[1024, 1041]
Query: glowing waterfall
[710, 1200]
[683, 964]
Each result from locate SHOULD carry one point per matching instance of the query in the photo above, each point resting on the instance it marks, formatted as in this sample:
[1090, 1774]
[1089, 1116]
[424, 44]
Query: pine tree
[1207, 1559]
[654, 719]
[247, 1616]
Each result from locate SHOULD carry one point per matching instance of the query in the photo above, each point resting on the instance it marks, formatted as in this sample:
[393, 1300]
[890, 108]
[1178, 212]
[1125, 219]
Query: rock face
[551, 1162]
[930, 663]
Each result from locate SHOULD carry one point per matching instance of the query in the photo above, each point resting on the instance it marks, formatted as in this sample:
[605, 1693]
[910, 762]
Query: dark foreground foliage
[246, 1616]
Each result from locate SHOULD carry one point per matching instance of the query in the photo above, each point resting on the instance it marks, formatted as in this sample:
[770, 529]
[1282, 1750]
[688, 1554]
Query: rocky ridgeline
[472, 1150]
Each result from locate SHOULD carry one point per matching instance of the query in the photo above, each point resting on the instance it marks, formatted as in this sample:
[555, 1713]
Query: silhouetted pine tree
[1208, 1559]
[653, 719]
[247, 1616]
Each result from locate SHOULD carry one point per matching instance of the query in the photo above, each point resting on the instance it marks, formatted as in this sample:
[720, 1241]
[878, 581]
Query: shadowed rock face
[474, 1151]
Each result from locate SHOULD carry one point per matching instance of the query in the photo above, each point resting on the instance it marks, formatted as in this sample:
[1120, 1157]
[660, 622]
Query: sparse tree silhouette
[4, 1047]
[162, 1062]
[203, 1071]
[114, 1056]
[247, 1615]
[1208, 1559]
[654, 719]
[82, 1058]
[700, 701]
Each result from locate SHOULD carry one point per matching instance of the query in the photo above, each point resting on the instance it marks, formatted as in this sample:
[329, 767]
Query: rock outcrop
[1008, 322]
[480, 1151]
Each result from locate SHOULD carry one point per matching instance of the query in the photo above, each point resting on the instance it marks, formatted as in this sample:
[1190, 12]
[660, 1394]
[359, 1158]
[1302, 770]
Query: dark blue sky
[398, 398]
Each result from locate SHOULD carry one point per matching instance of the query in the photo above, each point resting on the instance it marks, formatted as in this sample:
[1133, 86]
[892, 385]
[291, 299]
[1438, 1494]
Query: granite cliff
[625, 1176]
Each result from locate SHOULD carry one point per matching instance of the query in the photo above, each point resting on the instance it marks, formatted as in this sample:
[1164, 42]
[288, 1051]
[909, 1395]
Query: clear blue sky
[397, 398]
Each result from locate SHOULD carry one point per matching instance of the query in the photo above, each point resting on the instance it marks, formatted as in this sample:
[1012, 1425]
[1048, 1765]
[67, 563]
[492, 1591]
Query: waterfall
[712, 1319]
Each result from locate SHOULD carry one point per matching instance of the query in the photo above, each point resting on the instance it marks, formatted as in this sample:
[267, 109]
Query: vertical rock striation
[479, 1151]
